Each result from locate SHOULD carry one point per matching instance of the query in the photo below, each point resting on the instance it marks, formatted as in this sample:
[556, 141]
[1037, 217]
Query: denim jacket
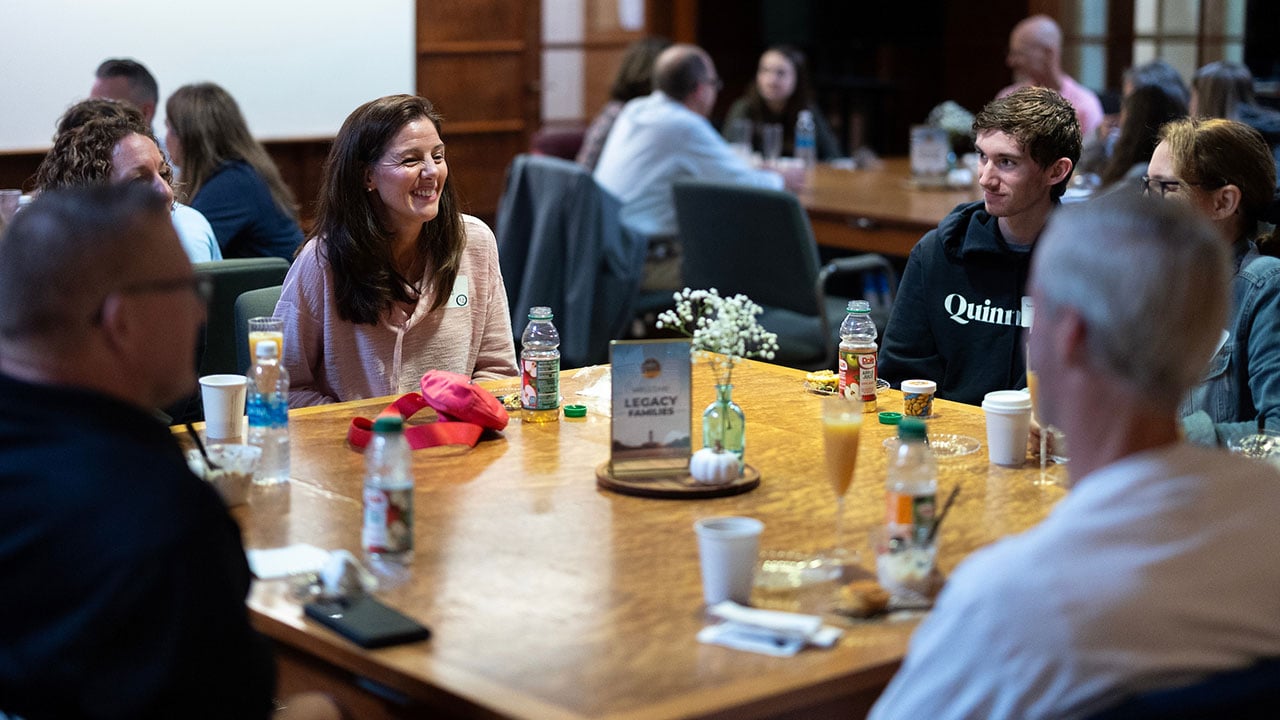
[1240, 393]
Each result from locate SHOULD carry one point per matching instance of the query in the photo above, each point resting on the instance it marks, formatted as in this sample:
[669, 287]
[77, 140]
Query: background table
[877, 210]
[550, 598]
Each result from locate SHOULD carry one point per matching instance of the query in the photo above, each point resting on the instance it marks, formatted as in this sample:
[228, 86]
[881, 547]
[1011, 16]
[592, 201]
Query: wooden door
[478, 62]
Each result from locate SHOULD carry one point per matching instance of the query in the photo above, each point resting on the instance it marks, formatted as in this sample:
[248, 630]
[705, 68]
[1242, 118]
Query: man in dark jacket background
[962, 305]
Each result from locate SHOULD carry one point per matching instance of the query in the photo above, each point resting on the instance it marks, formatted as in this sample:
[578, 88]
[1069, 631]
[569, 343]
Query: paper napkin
[771, 632]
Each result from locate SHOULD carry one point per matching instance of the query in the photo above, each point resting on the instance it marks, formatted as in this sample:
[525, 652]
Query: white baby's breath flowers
[724, 325]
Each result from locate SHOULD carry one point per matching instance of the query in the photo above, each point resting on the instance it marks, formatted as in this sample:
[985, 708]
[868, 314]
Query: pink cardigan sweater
[333, 360]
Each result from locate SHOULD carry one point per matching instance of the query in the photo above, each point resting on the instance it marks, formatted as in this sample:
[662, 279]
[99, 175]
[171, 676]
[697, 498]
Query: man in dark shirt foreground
[124, 576]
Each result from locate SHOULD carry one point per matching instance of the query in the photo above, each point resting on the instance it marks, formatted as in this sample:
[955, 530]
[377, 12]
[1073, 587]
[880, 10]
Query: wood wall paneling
[479, 63]
[599, 66]
[444, 21]
[478, 168]
[17, 170]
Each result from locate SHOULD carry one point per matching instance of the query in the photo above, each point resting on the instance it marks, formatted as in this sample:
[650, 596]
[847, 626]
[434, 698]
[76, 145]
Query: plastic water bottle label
[867, 378]
[388, 520]
[914, 512]
[540, 384]
[268, 410]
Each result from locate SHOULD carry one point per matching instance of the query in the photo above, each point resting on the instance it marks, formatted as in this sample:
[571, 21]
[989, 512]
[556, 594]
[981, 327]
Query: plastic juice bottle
[858, 355]
[387, 533]
[911, 487]
[540, 368]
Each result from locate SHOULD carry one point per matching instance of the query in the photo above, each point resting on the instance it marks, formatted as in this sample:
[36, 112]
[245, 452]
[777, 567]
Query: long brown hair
[212, 131]
[801, 96]
[356, 243]
[1146, 110]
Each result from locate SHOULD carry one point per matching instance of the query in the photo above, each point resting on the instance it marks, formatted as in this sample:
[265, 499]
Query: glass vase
[724, 425]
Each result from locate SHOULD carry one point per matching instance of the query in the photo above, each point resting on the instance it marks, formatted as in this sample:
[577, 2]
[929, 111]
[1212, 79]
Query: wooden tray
[675, 487]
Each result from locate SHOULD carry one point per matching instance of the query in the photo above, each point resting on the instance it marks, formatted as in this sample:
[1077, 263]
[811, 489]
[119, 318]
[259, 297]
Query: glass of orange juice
[268, 329]
[841, 429]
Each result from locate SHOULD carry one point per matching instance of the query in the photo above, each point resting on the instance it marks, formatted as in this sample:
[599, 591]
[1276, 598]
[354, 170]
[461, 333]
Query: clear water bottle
[387, 533]
[806, 139]
[268, 406]
[540, 368]
[911, 487]
[858, 353]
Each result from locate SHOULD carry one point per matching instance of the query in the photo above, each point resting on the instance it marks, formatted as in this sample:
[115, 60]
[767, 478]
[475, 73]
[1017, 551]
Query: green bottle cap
[912, 428]
[388, 423]
[889, 417]
[575, 411]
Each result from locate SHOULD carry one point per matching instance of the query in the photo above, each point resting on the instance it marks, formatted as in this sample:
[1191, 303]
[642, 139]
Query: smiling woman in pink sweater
[396, 281]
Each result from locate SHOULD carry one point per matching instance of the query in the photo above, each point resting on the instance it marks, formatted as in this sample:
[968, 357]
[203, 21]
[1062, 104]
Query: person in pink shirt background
[1035, 56]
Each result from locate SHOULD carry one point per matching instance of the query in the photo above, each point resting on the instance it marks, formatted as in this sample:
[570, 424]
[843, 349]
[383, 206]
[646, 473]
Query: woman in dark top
[227, 175]
[781, 90]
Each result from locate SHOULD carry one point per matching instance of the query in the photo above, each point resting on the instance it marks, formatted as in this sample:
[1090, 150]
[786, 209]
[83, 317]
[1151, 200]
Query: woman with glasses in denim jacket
[1225, 170]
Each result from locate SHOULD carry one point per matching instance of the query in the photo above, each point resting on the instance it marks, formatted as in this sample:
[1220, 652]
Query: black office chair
[252, 304]
[1249, 694]
[758, 242]
[231, 278]
[560, 244]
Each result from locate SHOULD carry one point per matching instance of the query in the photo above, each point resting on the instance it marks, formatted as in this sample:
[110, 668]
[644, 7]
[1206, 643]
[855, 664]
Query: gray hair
[1149, 278]
[63, 254]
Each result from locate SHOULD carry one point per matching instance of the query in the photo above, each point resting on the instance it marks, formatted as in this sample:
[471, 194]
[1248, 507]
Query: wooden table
[550, 598]
[876, 210]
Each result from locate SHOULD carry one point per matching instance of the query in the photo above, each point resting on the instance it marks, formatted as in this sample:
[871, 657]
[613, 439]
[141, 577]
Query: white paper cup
[223, 397]
[727, 548]
[1008, 426]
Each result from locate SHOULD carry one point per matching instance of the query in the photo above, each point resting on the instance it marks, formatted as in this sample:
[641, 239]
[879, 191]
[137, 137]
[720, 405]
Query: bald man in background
[1035, 56]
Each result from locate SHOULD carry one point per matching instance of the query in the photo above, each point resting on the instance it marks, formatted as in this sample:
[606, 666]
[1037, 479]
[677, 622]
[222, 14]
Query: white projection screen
[296, 68]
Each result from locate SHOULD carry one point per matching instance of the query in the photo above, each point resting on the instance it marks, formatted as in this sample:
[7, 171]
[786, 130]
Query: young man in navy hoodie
[961, 308]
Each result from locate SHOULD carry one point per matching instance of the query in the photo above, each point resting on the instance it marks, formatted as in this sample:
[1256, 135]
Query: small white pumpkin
[714, 466]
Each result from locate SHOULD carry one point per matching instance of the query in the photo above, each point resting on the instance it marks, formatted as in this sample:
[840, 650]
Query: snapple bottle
[540, 368]
[858, 355]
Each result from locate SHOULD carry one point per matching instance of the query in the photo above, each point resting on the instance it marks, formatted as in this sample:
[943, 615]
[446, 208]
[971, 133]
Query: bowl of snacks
[229, 470]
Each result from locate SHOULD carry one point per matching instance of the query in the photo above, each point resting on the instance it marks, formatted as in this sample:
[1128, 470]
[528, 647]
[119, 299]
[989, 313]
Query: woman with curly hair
[100, 142]
[780, 91]
[227, 174]
[396, 281]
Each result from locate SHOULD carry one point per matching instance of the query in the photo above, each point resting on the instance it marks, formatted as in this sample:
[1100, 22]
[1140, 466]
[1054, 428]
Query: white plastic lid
[1007, 401]
[919, 387]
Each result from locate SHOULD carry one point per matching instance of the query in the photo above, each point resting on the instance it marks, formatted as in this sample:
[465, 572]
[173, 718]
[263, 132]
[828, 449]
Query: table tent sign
[651, 427]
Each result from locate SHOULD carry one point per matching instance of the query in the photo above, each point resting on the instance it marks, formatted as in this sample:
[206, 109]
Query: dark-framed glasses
[1154, 186]
[200, 285]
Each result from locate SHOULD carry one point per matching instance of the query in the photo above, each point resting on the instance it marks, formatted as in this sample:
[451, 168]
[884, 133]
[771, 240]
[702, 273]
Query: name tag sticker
[1027, 311]
[459, 297]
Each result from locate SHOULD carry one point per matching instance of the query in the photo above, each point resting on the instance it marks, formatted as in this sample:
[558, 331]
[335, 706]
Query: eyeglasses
[1151, 186]
[201, 285]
